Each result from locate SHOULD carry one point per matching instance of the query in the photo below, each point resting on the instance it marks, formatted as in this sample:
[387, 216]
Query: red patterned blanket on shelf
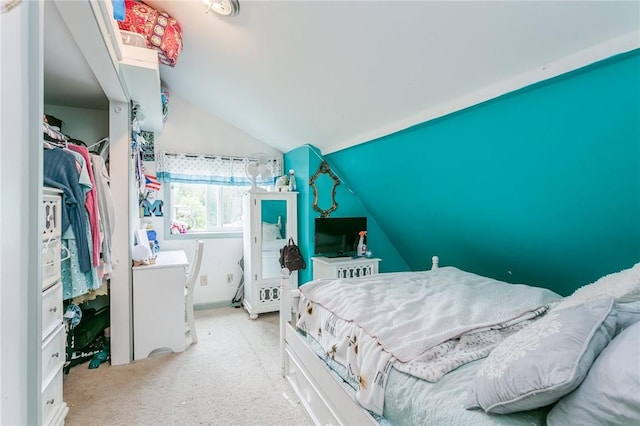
[161, 31]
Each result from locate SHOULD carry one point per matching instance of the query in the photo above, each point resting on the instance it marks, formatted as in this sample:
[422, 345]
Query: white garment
[106, 208]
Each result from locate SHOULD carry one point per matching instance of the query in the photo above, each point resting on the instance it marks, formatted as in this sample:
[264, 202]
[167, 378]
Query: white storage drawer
[54, 409]
[51, 262]
[53, 355]
[51, 309]
[51, 213]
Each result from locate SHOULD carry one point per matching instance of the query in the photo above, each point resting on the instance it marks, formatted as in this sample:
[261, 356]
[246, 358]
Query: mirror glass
[274, 235]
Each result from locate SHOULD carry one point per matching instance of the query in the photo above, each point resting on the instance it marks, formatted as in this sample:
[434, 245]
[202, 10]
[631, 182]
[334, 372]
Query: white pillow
[544, 361]
[270, 231]
[610, 394]
[623, 286]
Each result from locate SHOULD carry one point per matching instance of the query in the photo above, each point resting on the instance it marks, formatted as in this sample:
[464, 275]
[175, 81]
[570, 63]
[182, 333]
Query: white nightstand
[344, 267]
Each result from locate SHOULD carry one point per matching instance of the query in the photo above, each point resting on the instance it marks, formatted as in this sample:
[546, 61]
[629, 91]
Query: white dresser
[54, 409]
[344, 267]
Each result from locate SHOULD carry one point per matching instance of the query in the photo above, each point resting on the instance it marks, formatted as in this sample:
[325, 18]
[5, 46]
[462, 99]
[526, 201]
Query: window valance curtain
[209, 169]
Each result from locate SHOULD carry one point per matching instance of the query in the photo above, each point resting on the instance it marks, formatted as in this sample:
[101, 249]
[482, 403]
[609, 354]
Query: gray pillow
[628, 313]
[610, 394]
[545, 360]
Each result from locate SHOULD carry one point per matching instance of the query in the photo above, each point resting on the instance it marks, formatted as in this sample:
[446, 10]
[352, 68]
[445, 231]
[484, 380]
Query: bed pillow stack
[544, 361]
[584, 353]
[610, 394]
[624, 286]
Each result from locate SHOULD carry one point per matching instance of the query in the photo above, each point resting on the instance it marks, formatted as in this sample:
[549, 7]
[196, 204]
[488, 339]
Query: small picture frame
[147, 147]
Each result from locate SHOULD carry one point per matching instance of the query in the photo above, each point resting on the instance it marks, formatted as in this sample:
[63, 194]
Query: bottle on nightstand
[292, 181]
[362, 247]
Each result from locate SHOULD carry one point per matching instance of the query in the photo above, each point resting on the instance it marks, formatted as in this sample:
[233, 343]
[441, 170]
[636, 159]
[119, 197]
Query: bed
[485, 352]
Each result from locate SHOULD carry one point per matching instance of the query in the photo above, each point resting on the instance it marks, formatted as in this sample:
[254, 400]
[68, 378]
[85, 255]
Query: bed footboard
[323, 396]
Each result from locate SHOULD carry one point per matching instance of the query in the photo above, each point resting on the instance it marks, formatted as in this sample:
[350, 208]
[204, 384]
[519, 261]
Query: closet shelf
[142, 76]
[138, 66]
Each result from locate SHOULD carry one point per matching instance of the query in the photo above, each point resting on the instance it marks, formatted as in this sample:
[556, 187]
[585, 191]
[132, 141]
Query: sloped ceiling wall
[338, 73]
[539, 186]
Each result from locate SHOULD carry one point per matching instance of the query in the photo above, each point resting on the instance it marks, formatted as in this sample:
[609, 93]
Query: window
[204, 193]
[199, 207]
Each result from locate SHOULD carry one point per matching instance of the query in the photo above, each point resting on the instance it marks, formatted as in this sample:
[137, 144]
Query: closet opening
[76, 126]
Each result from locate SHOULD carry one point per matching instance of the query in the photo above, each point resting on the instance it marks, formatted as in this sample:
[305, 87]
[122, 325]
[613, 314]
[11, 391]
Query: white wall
[20, 183]
[193, 130]
[87, 125]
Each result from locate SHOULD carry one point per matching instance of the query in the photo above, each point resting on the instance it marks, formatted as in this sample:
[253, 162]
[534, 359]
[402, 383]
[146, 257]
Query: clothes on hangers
[74, 281]
[91, 203]
[88, 210]
[53, 132]
[77, 279]
[106, 208]
[60, 172]
[98, 143]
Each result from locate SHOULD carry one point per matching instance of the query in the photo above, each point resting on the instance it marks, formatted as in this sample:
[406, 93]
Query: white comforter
[424, 323]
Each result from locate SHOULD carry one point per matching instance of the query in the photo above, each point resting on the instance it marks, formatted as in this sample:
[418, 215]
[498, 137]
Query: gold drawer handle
[51, 401]
[53, 309]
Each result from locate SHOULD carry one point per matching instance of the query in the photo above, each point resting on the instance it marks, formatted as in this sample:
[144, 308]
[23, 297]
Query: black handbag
[291, 258]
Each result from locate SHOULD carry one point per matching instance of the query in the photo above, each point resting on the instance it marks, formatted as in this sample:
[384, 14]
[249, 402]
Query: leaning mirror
[321, 182]
[274, 236]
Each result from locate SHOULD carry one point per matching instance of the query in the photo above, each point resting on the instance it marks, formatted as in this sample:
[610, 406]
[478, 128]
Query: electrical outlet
[204, 280]
[229, 278]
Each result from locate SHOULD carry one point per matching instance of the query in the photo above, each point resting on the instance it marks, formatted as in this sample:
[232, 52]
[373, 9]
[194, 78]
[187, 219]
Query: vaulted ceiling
[338, 73]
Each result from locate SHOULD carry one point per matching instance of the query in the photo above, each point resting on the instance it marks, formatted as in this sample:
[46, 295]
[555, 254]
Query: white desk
[159, 304]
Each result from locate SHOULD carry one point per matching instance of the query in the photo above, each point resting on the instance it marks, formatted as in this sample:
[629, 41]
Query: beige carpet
[230, 377]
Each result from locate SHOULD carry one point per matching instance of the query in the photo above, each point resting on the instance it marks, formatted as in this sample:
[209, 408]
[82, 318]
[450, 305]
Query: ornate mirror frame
[324, 169]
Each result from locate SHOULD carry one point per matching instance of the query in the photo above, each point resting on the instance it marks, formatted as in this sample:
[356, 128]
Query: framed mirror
[273, 230]
[324, 178]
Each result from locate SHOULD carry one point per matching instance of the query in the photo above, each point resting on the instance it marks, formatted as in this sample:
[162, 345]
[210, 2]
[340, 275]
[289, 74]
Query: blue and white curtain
[216, 170]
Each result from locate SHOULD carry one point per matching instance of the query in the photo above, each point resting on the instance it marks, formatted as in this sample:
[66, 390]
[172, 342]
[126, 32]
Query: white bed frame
[324, 397]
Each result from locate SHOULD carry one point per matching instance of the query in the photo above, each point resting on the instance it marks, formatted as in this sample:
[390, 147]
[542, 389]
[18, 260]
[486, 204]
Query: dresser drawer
[344, 267]
[53, 407]
[51, 262]
[51, 213]
[51, 309]
[53, 355]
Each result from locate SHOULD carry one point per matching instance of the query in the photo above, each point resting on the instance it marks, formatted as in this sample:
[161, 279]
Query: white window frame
[186, 169]
[217, 232]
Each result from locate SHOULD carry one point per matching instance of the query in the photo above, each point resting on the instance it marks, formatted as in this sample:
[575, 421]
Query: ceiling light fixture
[223, 7]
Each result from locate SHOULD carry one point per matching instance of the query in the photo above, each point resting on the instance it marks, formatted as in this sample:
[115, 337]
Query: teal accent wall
[298, 160]
[306, 160]
[540, 186]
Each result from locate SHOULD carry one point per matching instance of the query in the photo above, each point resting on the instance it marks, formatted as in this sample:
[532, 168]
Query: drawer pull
[56, 355]
[51, 401]
[53, 309]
